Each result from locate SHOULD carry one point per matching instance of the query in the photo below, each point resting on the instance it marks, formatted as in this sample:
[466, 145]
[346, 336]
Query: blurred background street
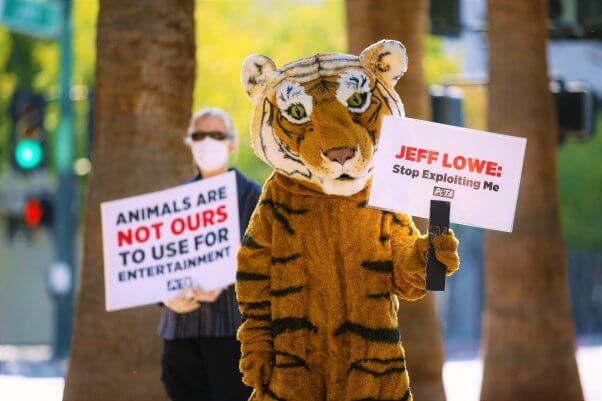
[462, 380]
[48, 66]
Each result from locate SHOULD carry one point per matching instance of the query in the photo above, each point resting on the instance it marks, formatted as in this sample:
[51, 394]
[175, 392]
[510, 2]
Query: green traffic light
[28, 154]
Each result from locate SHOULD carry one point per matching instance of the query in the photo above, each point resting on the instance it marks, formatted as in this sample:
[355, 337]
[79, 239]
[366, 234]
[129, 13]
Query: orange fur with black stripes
[320, 274]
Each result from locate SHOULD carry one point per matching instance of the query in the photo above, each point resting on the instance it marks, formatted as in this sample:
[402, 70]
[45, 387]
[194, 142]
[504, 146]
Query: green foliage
[436, 65]
[228, 31]
[580, 186]
[7, 85]
[21, 61]
[85, 13]
[35, 64]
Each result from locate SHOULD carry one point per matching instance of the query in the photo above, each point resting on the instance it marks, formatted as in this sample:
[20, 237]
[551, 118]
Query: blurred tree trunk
[528, 333]
[369, 21]
[144, 84]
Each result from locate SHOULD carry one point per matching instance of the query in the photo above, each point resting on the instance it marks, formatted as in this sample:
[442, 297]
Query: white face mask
[210, 154]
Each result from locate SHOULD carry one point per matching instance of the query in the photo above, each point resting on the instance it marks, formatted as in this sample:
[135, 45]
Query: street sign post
[40, 18]
[51, 19]
[65, 218]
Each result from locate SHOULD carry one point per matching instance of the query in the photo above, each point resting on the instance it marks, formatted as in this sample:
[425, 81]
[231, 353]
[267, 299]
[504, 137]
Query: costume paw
[422, 246]
[256, 368]
[446, 251]
[410, 275]
[417, 259]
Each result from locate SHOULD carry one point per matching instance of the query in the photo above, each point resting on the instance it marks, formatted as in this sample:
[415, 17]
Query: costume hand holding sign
[475, 176]
[156, 244]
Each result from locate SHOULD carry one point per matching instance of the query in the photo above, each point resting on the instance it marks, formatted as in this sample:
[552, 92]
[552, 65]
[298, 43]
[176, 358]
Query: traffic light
[28, 154]
[575, 19]
[575, 110]
[447, 104]
[38, 211]
[28, 136]
[32, 213]
[445, 16]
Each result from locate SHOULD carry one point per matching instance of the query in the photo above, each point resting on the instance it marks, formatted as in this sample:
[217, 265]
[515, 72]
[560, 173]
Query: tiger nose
[340, 155]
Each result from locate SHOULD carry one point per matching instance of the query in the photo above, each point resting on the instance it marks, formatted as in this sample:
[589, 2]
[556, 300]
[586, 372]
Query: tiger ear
[387, 59]
[256, 71]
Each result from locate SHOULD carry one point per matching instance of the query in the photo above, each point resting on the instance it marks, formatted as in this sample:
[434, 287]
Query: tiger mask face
[318, 119]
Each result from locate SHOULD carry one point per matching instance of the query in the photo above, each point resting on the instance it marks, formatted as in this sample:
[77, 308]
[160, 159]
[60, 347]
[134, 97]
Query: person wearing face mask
[200, 351]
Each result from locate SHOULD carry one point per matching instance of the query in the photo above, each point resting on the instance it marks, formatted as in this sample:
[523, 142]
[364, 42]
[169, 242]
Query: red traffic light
[33, 213]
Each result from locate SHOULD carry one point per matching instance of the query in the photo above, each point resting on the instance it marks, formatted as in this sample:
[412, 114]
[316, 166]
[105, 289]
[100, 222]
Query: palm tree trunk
[367, 22]
[528, 334]
[144, 84]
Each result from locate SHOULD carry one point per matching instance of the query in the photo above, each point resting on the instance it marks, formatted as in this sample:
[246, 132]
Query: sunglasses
[200, 135]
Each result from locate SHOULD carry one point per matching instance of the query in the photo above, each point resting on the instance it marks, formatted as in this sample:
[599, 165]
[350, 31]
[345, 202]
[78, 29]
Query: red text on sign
[178, 226]
[459, 162]
[139, 234]
[417, 154]
[472, 164]
[193, 222]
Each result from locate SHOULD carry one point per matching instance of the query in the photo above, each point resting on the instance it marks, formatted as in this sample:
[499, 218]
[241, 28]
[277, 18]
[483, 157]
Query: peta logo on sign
[443, 192]
[179, 283]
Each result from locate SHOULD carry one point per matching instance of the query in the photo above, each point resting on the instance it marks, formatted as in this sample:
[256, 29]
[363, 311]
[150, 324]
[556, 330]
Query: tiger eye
[297, 111]
[356, 100]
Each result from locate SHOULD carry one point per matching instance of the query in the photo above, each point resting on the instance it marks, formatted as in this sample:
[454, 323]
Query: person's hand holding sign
[189, 299]
[209, 296]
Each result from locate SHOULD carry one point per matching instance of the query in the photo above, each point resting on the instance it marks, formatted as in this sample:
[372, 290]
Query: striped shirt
[220, 318]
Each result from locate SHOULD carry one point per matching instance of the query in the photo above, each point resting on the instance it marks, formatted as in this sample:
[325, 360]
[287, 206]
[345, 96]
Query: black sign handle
[438, 224]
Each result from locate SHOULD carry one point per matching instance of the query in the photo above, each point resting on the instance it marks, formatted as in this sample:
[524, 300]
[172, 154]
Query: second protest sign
[156, 244]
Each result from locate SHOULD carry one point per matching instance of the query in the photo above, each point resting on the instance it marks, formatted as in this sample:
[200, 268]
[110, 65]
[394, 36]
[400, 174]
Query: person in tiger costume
[320, 273]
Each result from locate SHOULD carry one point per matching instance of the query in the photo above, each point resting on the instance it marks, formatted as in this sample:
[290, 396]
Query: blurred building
[574, 54]
[574, 48]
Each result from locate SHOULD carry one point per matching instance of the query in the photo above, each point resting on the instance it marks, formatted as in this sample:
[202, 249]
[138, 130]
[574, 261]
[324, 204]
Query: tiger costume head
[318, 119]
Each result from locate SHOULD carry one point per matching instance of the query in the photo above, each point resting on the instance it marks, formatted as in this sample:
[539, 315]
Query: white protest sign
[158, 243]
[478, 172]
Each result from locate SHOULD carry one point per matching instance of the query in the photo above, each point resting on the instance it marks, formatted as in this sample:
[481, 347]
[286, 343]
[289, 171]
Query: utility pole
[64, 234]
[51, 20]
